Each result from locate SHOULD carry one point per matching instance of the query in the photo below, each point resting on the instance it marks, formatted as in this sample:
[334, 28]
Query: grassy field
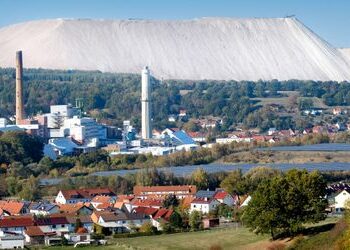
[227, 238]
[223, 238]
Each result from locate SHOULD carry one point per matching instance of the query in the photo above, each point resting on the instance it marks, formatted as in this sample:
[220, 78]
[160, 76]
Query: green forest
[112, 98]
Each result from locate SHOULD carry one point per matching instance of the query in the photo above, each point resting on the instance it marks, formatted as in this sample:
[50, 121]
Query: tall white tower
[145, 102]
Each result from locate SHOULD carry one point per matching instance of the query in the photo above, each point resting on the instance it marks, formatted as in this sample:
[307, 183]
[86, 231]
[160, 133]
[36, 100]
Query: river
[219, 167]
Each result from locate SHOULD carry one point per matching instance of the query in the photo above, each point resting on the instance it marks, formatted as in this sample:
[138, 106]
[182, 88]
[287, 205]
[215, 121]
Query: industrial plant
[67, 131]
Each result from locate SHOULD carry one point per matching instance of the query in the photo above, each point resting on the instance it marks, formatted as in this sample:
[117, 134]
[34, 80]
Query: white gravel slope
[206, 48]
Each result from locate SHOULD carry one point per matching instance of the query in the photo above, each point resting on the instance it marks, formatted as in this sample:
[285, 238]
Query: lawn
[222, 238]
[226, 238]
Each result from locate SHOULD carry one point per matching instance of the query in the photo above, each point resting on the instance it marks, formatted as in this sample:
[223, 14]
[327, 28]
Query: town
[86, 216]
[174, 125]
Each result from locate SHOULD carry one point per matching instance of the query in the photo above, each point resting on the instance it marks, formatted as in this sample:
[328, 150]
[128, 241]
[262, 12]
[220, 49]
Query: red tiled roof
[104, 206]
[139, 190]
[147, 203]
[145, 210]
[186, 202]
[34, 231]
[123, 198]
[163, 213]
[71, 208]
[87, 193]
[220, 195]
[17, 221]
[52, 220]
[12, 207]
[102, 199]
[119, 204]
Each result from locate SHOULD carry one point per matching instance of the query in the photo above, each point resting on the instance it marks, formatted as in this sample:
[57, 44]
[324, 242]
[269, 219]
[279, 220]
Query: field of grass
[317, 235]
[322, 237]
[228, 238]
[225, 238]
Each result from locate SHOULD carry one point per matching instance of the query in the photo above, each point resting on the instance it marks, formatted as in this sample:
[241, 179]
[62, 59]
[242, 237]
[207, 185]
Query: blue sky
[328, 18]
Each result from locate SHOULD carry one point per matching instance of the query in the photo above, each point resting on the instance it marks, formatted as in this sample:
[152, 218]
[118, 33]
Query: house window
[53, 226]
[62, 225]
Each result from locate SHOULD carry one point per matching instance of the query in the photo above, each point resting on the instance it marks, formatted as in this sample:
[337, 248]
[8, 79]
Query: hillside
[346, 53]
[206, 48]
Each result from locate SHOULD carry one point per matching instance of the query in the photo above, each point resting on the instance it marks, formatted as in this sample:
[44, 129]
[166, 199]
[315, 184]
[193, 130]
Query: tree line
[116, 97]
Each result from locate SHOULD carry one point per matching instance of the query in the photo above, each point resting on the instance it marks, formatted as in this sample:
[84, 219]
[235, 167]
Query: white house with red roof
[225, 198]
[15, 224]
[156, 215]
[82, 195]
[204, 205]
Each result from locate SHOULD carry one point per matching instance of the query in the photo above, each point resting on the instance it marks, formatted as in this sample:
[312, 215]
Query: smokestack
[146, 132]
[19, 88]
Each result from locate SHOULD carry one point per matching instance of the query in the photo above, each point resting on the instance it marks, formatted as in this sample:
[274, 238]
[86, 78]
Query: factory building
[59, 113]
[84, 130]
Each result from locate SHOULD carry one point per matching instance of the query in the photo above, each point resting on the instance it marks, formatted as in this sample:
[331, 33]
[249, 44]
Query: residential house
[85, 221]
[118, 221]
[198, 136]
[225, 198]
[35, 236]
[80, 208]
[157, 216]
[14, 207]
[153, 203]
[101, 202]
[43, 208]
[53, 224]
[210, 122]
[205, 194]
[15, 224]
[143, 192]
[81, 195]
[204, 205]
[337, 111]
[234, 138]
[11, 241]
[161, 216]
[287, 133]
[341, 200]
[124, 202]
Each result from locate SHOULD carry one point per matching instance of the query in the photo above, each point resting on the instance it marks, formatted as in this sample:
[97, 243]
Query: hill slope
[346, 53]
[207, 48]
